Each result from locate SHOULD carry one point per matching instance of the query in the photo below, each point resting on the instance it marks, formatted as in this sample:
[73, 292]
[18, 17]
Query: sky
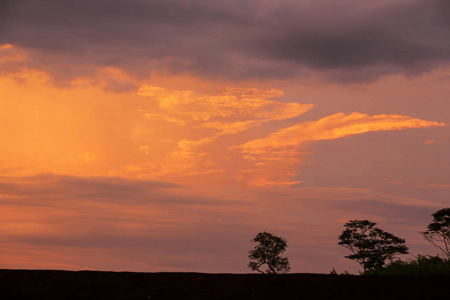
[162, 136]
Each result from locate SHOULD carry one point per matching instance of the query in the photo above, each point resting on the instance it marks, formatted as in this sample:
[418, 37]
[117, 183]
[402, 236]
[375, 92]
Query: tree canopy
[371, 247]
[438, 231]
[268, 252]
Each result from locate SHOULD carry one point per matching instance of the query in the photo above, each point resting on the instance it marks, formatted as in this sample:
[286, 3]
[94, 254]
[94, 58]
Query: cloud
[344, 40]
[233, 103]
[211, 118]
[262, 182]
[233, 111]
[276, 157]
[435, 185]
[331, 127]
[109, 188]
[269, 161]
[167, 134]
[42, 214]
[395, 182]
[228, 128]
[141, 225]
[144, 149]
[160, 117]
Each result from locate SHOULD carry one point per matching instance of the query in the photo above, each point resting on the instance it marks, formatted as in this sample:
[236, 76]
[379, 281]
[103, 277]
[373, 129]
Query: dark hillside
[33, 285]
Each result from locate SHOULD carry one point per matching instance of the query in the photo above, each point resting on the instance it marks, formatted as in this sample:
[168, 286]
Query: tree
[267, 252]
[371, 247]
[438, 231]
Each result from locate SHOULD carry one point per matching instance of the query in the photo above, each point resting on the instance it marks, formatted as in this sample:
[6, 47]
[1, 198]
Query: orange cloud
[144, 149]
[233, 104]
[5, 46]
[165, 134]
[228, 128]
[161, 117]
[281, 147]
[331, 127]
[10, 53]
[261, 182]
[196, 124]
[269, 161]
[436, 185]
[62, 130]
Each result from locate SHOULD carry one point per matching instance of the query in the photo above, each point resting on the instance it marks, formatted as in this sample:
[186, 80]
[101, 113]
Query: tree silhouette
[371, 246]
[438, 231]
[267, 252]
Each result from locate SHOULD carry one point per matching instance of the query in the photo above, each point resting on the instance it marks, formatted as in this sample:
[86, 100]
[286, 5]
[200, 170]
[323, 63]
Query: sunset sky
[162, 135]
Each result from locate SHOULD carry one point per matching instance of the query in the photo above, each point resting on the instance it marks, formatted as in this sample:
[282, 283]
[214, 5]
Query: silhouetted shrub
[333, 272]
[423, 265]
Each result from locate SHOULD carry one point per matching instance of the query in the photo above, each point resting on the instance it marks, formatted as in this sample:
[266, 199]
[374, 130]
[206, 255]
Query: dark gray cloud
[348, 40]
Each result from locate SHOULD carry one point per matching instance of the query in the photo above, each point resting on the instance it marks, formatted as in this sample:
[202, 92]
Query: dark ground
[33, 285]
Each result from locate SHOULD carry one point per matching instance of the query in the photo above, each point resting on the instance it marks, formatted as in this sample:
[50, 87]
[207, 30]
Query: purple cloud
[344, 40]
